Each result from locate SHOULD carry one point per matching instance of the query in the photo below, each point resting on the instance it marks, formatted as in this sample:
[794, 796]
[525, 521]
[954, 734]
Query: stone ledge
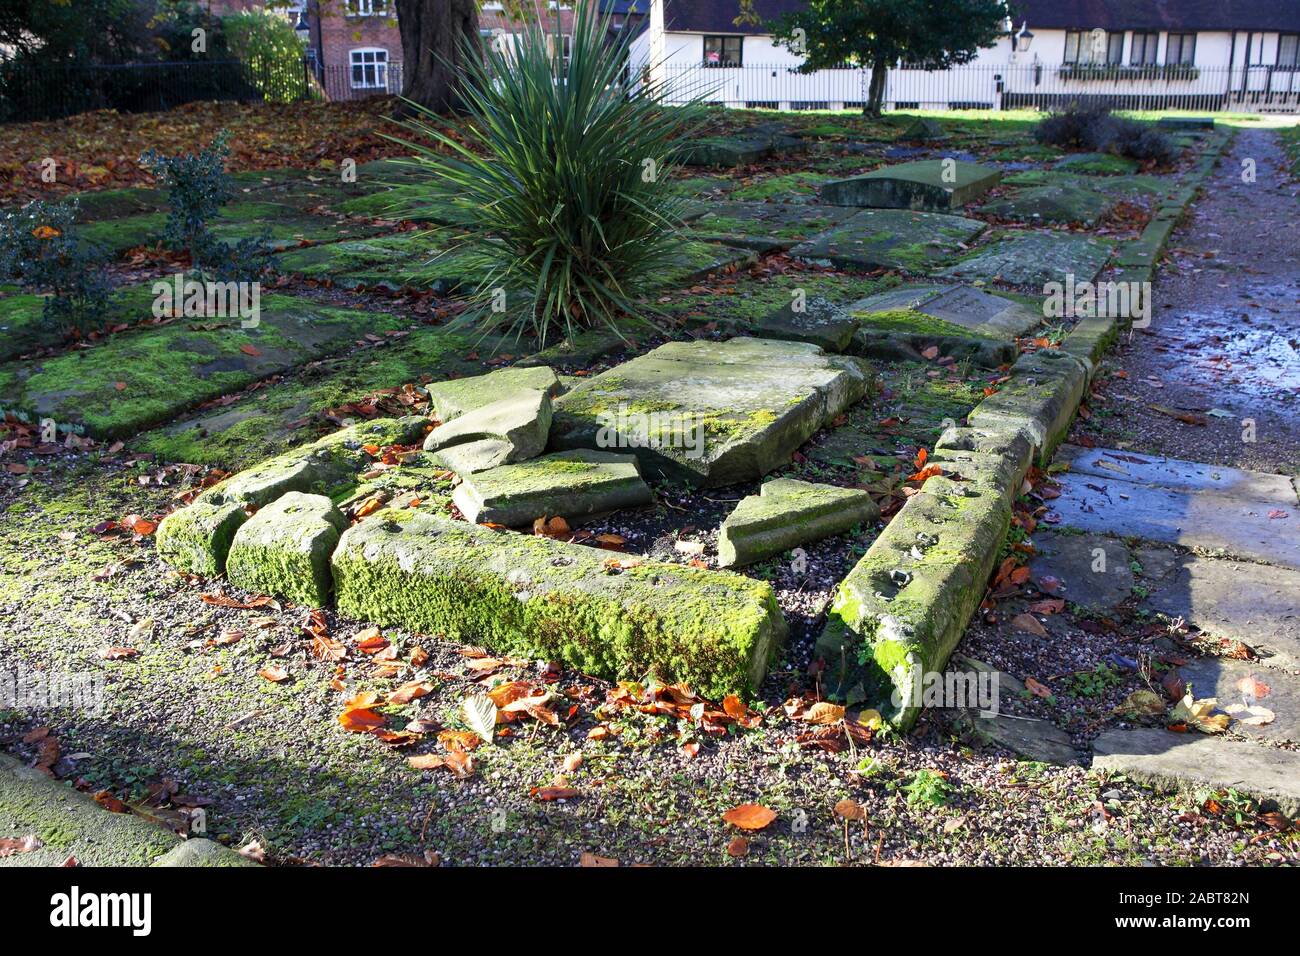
[520, 594]
[1039, 399]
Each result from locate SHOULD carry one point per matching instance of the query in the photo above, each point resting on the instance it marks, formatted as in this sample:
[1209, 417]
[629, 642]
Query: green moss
[790, 187]
[521, 594]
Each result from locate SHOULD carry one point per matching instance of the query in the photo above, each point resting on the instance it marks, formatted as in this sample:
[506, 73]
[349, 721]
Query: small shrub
[40, 251]
[1097, 130]
[197, 187]
[559, 172]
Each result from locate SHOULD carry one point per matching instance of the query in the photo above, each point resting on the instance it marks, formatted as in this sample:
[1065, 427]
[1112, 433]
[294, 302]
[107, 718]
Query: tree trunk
[434, 34]
[876, 90]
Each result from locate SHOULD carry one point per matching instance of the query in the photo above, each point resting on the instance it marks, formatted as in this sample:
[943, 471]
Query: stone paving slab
[1235, 523]
[975, 310]
[1179, 475]
[710, 413]
[1256, 604]
[453, 397]
[1032, 258]
[1094, 570]
[526, 594]
[892, 239]
[820, 322]
[1179, 762]
[934, 185]
[1241, 684]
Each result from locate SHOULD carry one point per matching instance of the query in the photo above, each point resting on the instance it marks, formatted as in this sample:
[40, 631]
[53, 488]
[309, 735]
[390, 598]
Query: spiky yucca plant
[559, 173]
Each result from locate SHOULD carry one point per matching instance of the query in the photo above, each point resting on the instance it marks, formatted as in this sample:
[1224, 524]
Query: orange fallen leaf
[749, 816]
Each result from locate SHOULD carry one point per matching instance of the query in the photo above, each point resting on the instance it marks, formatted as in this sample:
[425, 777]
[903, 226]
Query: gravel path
[1224, 342]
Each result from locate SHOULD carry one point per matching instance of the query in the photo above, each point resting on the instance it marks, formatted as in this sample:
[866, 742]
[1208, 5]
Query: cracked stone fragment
[455, 397]
[196, 539]
[787, 513]
[522, 421]
[285, 549]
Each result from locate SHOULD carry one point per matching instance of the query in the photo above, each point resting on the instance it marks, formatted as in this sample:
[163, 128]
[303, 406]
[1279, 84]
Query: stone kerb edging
[903, 608]
[70, 823]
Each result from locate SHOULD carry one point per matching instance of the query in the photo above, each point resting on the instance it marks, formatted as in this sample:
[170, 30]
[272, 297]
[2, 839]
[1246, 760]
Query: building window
[367, 8]
[369, 69]
[1181, 49]
[565, 50]
[1093, 47]
[722, 51]
[1288, 51]
[1143, 50]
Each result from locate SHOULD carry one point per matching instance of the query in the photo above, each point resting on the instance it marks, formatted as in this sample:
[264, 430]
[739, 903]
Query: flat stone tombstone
[454, 397]
[961, 321]
[726, 151]
[765, 226]
[711, 413]
[936, 185]
[820, 322]
[1186, 122]
[1033, 259]
[285, 549]
[571, 484]
[892, 239]
[1059, 204]
[787, 513]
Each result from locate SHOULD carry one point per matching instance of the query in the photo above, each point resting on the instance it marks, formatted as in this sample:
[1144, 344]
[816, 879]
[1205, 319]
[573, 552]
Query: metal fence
[43, 92]
[977, 86]
[358, 82]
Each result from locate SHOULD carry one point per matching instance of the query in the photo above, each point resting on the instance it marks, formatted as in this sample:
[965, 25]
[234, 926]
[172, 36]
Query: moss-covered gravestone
[935, 185]
[710, 413]
[1033, 259]
[570, 484]
[892, 239]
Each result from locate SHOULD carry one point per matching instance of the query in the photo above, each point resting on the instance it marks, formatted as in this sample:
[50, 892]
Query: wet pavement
[1221, 357]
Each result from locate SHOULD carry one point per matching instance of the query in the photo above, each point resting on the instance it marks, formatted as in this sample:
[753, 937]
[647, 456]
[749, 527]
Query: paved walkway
[1224, 341]
[1224, 349]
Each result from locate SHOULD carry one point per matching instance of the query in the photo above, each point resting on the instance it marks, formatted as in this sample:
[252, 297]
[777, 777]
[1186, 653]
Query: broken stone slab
[974, 310]
[571, 484]
[475, 456]
[1097, 164]
[1170, 761]
[819, 321]
[1038, 398]
[1095, 571]
[1180, 475]
[711, 413]
[892, 239]
[284, 549]
[903, 608]
[522, 421]
[1059, 203]
[787, 513]
[1186, 122]
[1032, 259]
[454, 397]
[1242, 684]
[196, 539]
[1028, 737]
[200, 851]
[935, 185]
[524, 594]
